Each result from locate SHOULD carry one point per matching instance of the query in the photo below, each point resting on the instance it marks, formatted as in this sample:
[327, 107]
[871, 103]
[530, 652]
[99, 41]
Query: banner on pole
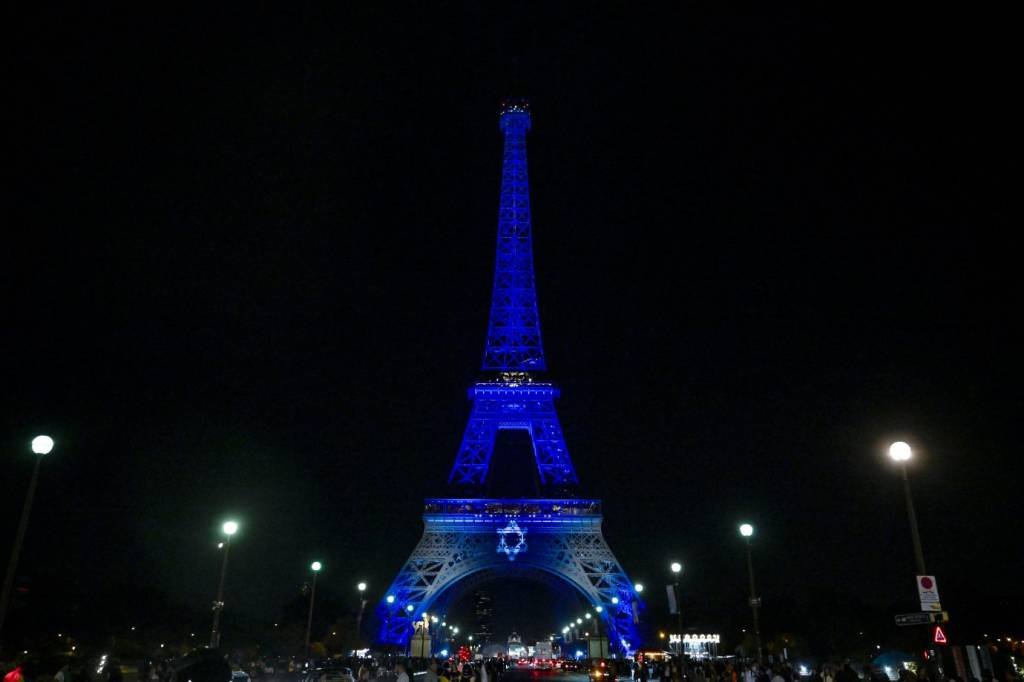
[673, 608]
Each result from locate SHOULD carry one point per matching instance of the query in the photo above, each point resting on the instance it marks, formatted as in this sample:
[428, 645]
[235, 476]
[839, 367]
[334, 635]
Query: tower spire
[513, 335]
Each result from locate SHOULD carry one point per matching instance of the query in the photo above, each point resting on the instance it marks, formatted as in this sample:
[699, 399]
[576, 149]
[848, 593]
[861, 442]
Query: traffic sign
[928, 591]
[940, 636]
[922, 618]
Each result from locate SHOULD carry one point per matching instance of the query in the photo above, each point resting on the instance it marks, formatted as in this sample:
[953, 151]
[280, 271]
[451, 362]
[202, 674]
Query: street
[526, 674]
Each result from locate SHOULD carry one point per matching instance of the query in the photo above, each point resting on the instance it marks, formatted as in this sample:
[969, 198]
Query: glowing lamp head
[41, 445]
[899, 451]
[230, 528]
[390, 599]
[316, 566]
[410, 608]
[746, 530]
[676, 567]
[579, 621]
[615, 600]
[638, 587]
[361, 587]
[599, 609]
[588, 616]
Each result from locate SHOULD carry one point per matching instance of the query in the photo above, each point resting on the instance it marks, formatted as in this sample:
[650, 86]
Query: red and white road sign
[928, 591]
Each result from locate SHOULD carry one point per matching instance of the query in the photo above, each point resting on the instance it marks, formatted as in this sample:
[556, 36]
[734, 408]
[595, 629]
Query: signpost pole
[915, 535]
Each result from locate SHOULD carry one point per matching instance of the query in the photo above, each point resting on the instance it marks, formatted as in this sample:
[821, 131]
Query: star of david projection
[511, 540]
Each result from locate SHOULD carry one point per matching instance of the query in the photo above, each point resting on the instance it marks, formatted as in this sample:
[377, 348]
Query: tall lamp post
[315, 567]
[746, 530]
[362, 605]
[229, 528]
[41, 446]
[900, 452]
[677, 571]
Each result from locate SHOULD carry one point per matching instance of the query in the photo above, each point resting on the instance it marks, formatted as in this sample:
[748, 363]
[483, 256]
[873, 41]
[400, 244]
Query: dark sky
[249, 266]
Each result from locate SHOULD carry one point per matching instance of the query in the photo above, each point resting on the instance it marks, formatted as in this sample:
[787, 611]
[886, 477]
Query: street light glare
[676, 567]
[361, 587]
[638, 587]
[899, 451]
[615, 600]
[41, 445]
[316, 565]
[746, 530]
[599, 609]
[391, 599]
[230, 527]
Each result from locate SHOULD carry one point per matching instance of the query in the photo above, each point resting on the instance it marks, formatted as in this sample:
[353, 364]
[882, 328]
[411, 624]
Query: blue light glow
[513, 337]
[512, 540]
[459, 532]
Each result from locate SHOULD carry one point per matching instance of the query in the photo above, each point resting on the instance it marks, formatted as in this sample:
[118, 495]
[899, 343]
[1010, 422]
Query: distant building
[515, 646]
[484, 615]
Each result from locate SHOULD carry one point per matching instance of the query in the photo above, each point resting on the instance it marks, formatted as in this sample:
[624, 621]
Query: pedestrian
[64, 674]
[112, 670]
[431, 674]
[15, 675]
[400, 671]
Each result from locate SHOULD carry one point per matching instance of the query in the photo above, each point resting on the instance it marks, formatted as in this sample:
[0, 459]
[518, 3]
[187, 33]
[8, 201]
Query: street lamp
[229, 528]
[677, 570]
[362, 605]
[900, 452]
[747, 531]
[315, 567]
[41, 446]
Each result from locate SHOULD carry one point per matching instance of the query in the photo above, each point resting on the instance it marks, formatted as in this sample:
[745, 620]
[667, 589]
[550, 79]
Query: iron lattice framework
[463, 537]
[470, 539]
[514, 403]
[513, 336]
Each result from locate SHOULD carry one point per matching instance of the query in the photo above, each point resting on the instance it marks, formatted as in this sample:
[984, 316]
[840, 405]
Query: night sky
[248, 259]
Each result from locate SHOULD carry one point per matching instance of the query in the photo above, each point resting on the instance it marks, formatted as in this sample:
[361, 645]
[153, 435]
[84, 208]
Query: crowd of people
[213, 666]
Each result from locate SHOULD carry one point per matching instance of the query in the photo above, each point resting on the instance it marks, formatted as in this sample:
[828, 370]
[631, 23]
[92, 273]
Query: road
[531, 675]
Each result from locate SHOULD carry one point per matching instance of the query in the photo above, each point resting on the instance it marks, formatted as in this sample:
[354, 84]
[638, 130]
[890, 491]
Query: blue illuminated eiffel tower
[514, 348]
[470, 540]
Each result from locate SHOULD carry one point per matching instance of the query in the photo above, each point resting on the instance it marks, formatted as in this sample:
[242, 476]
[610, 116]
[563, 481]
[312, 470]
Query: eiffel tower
[471, 539]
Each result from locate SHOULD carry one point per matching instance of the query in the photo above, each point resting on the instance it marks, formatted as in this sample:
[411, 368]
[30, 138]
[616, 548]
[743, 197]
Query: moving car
[601, 671]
